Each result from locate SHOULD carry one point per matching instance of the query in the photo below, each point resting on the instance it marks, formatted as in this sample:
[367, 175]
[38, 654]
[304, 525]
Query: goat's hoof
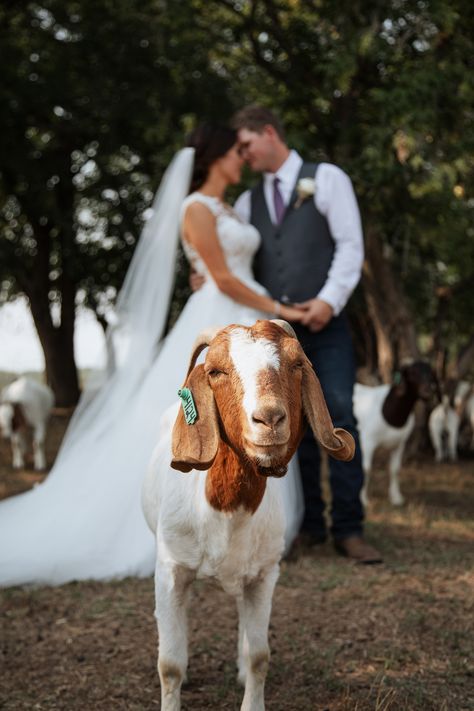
[397, 500]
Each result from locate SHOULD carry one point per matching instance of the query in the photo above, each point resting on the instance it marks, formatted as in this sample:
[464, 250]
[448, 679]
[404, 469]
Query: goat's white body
[375, 432]
[35, 401]
[230, 547]
[238, 550]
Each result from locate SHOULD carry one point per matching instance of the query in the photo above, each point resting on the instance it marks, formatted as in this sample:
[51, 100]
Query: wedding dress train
[85, 520]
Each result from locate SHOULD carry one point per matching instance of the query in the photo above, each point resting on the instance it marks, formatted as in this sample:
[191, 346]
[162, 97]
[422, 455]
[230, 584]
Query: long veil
[138, 321]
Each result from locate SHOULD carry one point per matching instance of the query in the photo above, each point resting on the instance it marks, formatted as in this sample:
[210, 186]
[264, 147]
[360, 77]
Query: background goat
[252, 396]
[26, 403]
[445, 420]
[385, 419]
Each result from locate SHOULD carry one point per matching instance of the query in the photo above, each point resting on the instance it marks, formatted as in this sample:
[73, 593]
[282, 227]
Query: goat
[252, 395]
[26, 403]
[445, 419]
[385, 419]
[469, 415]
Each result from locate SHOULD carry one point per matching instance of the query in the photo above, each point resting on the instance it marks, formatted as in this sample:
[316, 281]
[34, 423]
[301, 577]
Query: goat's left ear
[336, 441]
[195, 446]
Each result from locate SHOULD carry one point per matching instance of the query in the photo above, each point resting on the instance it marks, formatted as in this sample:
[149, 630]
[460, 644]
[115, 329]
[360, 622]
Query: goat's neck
[232, 483]
[398, 406]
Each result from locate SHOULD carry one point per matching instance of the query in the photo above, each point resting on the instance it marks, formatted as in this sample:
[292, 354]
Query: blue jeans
[331, 353]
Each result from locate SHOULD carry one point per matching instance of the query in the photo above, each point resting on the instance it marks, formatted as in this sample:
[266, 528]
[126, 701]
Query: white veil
[136, 326]
[143, 302]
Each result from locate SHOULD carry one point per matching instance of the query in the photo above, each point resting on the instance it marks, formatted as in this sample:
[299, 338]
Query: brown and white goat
[385, 419]
[252, 395]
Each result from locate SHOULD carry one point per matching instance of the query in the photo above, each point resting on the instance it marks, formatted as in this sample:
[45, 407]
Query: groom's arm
[336, 200]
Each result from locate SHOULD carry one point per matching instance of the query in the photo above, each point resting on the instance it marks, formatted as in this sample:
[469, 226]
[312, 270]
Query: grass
[396, 637]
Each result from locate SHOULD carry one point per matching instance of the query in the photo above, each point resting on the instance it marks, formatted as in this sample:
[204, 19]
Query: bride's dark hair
[209, 143]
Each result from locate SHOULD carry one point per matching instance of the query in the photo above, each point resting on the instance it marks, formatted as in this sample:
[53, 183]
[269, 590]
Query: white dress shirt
[335, 199]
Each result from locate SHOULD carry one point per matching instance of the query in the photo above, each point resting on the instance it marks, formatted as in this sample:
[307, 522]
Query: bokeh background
[96, 97]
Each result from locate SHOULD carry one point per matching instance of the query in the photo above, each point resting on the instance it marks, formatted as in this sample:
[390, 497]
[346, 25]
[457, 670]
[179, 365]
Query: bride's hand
[291, 313]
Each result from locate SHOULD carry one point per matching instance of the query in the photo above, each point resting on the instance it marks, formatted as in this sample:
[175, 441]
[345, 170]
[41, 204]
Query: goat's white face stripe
[250, 357]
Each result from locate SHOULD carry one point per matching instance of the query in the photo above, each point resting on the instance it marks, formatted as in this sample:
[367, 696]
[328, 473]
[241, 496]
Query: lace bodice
[239, 240]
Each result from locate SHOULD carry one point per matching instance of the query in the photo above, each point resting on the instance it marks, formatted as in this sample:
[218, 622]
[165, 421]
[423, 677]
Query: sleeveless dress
[85, 520]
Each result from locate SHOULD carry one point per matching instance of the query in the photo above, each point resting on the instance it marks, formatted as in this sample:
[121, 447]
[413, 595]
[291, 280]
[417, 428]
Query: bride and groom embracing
[281, 251]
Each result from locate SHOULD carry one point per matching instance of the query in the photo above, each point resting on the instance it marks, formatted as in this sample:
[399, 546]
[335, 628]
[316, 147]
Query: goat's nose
[269, 415]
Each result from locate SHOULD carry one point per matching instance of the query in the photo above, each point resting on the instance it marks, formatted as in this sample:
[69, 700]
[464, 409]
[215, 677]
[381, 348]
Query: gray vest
[294, 258]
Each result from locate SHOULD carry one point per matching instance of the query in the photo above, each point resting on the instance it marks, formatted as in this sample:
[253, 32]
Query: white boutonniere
[305, 188]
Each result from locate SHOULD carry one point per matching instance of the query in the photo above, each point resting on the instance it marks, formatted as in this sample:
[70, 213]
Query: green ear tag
[189, 408]
[397, 378]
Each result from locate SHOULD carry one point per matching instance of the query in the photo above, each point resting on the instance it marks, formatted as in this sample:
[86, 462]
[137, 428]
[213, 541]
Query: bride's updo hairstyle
[210, 143]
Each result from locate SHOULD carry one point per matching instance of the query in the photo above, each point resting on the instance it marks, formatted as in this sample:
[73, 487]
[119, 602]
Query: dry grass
[397, 637]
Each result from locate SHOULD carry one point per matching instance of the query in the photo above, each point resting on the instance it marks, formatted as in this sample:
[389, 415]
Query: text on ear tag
[189, 408]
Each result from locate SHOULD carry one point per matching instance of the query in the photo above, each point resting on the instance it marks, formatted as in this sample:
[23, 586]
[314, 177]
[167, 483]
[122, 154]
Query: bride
[85, 520]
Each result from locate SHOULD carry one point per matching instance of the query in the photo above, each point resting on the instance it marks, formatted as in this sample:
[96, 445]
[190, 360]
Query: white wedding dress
[85, 521]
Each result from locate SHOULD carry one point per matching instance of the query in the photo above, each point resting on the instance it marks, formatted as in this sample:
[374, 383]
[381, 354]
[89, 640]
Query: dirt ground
[344, 638]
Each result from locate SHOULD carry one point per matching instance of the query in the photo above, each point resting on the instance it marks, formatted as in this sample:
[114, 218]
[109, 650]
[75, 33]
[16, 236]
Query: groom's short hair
[255, 118]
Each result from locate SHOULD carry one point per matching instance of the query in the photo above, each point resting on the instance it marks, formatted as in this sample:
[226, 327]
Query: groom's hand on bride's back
[196, 281]
[317, 314]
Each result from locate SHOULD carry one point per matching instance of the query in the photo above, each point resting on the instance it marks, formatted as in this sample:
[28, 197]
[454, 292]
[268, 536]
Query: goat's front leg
[39, 457]
[254, 653]
[171, 595]
[395, 463]
[367, 455]
[18, 450]
[436, 436]
[453, 434]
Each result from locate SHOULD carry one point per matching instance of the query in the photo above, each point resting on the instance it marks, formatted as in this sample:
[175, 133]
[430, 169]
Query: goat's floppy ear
[194, 446]
[337, 442]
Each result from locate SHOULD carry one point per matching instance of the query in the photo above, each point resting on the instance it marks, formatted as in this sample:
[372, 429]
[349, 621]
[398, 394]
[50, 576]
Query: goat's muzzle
[267, 437]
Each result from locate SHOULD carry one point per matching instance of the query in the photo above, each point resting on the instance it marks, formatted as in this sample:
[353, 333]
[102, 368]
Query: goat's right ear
[337, 442]
[195, 446]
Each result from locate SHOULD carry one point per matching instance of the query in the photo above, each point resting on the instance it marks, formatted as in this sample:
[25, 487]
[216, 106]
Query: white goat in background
[445, 420]
[245, 419]
[385, 419]
[25, 404]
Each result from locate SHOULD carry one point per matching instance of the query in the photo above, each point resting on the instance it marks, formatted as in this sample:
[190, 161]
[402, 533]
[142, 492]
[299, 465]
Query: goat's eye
[298, 365]
[215, 372]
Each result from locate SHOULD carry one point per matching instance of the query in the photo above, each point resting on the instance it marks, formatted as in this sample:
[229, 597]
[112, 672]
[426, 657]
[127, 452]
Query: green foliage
[97, 97]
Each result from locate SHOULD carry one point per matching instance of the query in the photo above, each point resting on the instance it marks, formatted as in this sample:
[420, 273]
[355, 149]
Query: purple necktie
[278, 201]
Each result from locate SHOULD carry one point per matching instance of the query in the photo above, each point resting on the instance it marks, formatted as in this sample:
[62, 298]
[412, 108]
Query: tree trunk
[393, 324]
[57, 341]
[58, 348]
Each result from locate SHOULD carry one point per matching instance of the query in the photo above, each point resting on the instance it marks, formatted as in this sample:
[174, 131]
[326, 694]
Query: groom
[311, 254]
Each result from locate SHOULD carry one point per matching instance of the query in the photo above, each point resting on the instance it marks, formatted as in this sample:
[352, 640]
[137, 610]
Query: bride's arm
[199, 229]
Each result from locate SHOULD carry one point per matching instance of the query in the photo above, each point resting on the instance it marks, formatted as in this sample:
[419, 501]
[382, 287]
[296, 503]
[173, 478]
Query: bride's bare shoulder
[197, 210]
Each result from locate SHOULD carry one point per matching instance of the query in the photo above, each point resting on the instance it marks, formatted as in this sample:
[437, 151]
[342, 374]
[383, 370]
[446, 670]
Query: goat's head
[418, 379]
[254, 391]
